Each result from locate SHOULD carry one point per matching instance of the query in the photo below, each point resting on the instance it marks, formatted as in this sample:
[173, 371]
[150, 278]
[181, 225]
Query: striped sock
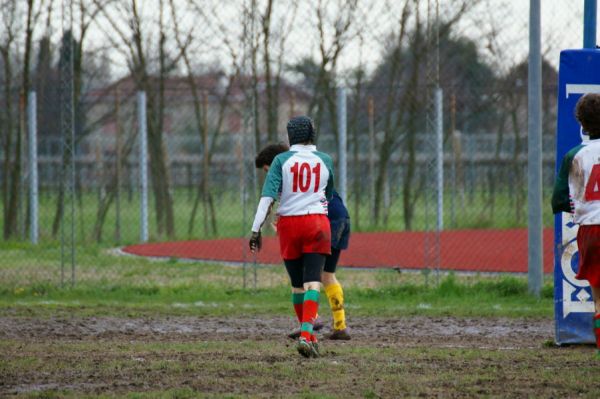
[309, 314]
[335, 295]
[297, 300]
[597, 330]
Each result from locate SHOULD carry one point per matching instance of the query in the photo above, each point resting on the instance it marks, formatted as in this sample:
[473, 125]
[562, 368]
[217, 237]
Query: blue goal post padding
[579, 73]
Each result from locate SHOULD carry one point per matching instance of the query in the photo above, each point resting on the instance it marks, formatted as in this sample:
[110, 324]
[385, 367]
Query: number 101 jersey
[577, 186]
[302, 180]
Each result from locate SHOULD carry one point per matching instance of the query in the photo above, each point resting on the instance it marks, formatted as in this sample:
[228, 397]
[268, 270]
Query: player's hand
[255, 242]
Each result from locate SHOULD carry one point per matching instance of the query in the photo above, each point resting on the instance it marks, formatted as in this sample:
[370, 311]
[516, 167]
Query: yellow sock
[335, 295]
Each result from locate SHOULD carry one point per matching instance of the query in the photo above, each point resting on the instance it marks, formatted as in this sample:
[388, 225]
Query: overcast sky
[562, 27]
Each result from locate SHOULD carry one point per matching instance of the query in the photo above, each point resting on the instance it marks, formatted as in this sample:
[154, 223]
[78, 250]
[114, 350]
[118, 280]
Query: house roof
[179, 88]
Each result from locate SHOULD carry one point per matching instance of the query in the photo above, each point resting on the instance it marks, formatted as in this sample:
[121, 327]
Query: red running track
[461, 250]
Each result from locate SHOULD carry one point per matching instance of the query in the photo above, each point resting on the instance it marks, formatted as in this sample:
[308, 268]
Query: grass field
[31, 276]
[138, 328]
[471, 211]
[122, 326]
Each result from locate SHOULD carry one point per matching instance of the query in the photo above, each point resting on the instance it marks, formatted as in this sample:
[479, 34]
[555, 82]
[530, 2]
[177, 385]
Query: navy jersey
[336, 209]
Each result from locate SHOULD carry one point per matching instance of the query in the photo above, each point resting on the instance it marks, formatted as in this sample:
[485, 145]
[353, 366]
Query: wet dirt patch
[407, 356]
[488, 332]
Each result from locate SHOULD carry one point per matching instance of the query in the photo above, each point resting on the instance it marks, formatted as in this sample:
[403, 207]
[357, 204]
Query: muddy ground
[444, 332]
[408, 356]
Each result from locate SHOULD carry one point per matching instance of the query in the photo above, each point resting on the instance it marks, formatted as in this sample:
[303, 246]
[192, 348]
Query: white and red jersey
[301, 179]
[577, 186]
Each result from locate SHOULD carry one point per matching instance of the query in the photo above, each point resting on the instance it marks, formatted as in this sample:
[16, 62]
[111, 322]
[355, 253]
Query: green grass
[484, 299]
[31, 276]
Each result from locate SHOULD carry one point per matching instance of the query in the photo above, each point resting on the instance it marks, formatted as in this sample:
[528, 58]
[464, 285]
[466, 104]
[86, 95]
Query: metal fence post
[68, 144]
[534, 150]
[371, 116]
[342, 173]
[439, 158]
[143, 132]
[589, 23]
[241, 154]
[33, 167]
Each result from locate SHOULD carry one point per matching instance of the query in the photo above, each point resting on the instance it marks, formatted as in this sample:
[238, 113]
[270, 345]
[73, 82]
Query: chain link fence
[221, 82]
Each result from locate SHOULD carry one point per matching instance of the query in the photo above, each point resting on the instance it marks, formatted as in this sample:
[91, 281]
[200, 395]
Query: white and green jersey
[577, 186]
[302, 180]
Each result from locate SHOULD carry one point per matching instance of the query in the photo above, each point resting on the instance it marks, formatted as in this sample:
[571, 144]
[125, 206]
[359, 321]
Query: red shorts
[303, 234]
[588, 243]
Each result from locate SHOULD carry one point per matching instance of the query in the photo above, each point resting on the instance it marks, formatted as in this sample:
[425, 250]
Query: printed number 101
[302, 176]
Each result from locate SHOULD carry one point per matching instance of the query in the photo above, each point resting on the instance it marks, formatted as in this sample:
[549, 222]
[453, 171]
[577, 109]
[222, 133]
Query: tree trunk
[111, 190]
[270, 88]
[8, 131]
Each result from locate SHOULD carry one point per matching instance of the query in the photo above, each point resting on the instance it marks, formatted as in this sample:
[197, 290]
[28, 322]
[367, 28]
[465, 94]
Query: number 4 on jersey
[302, 177]
[592, 188]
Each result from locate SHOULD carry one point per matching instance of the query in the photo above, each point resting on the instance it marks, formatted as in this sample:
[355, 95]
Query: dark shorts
[340, 233]
[331, 261]
[588, 244]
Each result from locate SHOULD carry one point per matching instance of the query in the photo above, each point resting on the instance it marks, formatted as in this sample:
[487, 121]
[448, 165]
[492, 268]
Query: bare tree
[9, 32]
[354, 128]
[200, 113]
[393, 83]
[330, 49]
[404, 86]
[209, 129]
[126, 32]
[87, 13]
[112, 185]
[276, 37]
[264, 38]
[18, 19]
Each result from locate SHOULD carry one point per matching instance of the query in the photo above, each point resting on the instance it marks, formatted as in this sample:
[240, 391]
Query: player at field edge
[302, 180]
[339, 219]
[577, 191]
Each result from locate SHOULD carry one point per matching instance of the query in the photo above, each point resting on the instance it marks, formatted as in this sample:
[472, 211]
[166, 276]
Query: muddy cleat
[339, 335]
[317, 325]
[305, 348]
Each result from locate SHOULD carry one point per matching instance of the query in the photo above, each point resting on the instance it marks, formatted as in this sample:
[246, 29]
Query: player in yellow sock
[335, 295]
[340, 235]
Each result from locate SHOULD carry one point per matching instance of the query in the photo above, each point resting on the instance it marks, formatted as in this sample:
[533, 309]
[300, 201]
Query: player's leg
[335, 296]
[291, 252]
[596, 296]
[313, 266]
[340, 236]
[294, 270]
[588, 244]
[315, 234]
[288, 230]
